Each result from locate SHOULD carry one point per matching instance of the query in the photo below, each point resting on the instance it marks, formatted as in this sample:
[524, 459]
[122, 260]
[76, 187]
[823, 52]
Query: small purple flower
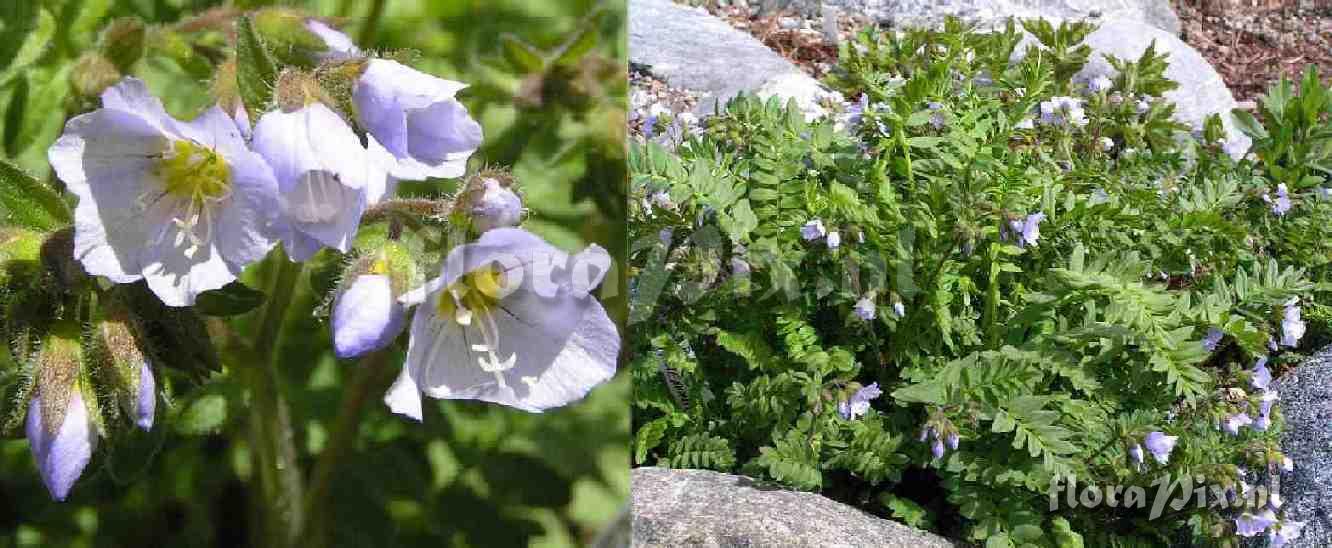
[63, 454]
[496, 207]
[145, 402]
[813, 230]
[1282, 204]
[1137, 455]
[1099, 84]
[1261, 376]
[1262, 423]
[1234, 422]
[937, 449]
[1063, 112]
[899, 309]
[649, 126]
[865, 308]
[416, 118]
[953, 440]
[1292, 326]
[925, 433]
[340, 46]
[1266, 400]
[859, 403]
[1160, 446]
[1284, 533]
[1212, 339]
[739, 267]
[182, 205]
[937, 119]
[323, 176]
[1142, 106]
[834, 240]
[1248, 525]
[855, 114]
[1027, 230]
[367, 316]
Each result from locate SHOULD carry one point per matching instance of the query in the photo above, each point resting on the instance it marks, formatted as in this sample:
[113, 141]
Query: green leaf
[230, 300]
[521, 54]
[1248, 124]
[649, 437]
[256, 70]
[34, 45]
[26, 202]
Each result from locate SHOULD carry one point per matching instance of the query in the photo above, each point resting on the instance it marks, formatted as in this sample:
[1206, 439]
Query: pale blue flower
[739, 267]
[145, 402]
[367, 316]
[899, 309]
[496, 207]
[61, 454]
[340, 46]
[1137, 455]
[1292, 326]
[510, 320]
[323, 175]
[1248, 524]
[1160, 446]
[1212, 339]
[1063, 112]
[1099, 84]
[1261, 375]
[1142, 106]
[859, 403]
[1027, 230]
[937, 449]
[1282, 203]
[182, 205]
[953, 440]
[834, 240]
[417, 119]
[1285, 532]
[1234, 422]
[865, 308]
[813, 230]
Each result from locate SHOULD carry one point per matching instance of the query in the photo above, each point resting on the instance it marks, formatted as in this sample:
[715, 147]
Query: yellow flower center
[195, 178]
[471, 302]
[194, 172]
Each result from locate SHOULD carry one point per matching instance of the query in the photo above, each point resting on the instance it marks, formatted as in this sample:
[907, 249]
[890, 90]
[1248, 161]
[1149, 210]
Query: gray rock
[1201, 90]
[1306, 404]
[690, 49]
[701, 508]
[930, 13]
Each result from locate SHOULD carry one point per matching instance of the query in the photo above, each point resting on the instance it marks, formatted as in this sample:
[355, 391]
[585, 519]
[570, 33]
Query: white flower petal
[178, 275]
[131, 95]
[366, 317]
[587, 360]
[105, 159]
[403, 397]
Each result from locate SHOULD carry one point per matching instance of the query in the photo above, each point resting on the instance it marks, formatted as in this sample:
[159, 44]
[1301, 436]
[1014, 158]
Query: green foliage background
[548, 86]
[1047, 360]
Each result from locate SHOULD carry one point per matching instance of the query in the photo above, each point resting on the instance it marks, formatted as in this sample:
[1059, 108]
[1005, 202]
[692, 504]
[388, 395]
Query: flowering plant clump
[158, 279]
[1033, 302]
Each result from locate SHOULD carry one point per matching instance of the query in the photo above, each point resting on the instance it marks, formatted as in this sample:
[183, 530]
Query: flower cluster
[859, 402]
[185, 206]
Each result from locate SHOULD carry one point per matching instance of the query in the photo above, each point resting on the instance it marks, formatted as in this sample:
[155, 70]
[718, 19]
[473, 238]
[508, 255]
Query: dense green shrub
[1051, 292]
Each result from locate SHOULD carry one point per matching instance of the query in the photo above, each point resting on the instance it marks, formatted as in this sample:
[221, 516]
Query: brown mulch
[798, 39]
[1253, 46]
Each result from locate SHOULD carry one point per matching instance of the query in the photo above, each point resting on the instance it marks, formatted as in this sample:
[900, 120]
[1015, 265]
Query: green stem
[371, 25]
[273, 450]
[371, 376]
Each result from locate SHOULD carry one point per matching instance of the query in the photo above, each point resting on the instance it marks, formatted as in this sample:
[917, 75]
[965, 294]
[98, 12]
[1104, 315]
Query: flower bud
[92, 74]
[60, 426]
[366, 314]
[122, 42]
[129, 368]
[490, 203]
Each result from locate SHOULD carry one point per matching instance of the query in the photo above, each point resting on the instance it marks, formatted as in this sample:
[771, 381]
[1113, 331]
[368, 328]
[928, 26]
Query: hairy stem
[371, 376]
[273, 450]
